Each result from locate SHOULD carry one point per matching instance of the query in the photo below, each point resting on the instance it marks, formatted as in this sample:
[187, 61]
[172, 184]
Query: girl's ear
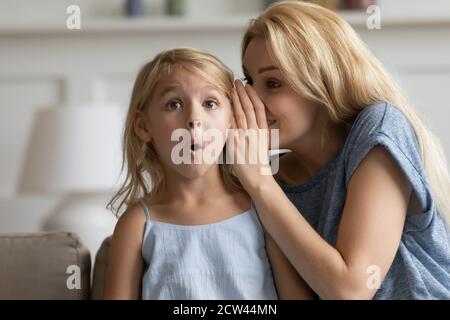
[141, 127]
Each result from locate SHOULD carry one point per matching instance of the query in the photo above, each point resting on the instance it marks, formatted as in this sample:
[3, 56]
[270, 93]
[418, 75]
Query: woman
[357, 205]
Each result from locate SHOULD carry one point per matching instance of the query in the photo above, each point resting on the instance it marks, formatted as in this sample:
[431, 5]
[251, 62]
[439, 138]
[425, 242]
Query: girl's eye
[247, 80]
[273, 84]
[210, 104]
[174, 105]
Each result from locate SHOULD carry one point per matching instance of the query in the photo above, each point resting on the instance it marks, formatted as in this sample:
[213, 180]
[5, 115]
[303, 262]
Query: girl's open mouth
[196, 152]
[195, 147]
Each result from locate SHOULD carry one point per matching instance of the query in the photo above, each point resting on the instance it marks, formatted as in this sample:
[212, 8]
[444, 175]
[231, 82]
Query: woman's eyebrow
[260, 70]
[264, 69]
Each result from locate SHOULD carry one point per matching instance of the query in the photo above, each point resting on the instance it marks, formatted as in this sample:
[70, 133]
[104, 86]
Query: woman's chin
[280, 144]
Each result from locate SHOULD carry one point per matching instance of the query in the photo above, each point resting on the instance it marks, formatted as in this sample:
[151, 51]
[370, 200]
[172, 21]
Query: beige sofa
[51, 265]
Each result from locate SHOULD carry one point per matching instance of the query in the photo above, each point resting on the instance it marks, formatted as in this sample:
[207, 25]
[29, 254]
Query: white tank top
[222, 260]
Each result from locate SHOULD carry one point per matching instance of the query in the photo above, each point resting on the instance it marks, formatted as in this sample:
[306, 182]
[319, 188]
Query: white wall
[42, 64]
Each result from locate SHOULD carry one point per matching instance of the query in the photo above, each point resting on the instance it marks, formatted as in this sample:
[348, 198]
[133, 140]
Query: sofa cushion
[46, 265]
[101, 261]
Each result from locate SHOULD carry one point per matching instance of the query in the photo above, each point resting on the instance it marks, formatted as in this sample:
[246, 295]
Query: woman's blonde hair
[323, 58]
[144, 171]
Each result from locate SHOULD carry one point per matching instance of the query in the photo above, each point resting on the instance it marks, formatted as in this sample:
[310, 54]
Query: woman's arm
[289, 284]
[369, 233]
[371, 224]
[125, 263]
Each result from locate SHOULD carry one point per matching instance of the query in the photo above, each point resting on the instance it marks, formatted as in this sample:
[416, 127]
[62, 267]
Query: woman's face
[187, 101]
[286, 110]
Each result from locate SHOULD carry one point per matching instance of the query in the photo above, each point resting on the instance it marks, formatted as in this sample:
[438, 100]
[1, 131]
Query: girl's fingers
[239, 115]
[260, 110]
[246, 104]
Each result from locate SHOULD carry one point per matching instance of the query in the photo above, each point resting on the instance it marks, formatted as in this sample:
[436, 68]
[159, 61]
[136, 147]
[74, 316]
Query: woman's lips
[271, 122]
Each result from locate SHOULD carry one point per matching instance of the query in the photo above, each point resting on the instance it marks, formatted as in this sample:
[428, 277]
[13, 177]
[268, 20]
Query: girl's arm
[125, 263]
[289, 284]
[369, 233]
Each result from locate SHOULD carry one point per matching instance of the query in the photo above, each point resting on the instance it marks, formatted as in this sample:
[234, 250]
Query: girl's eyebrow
[173, 87]
[210, 87]
[170, 88]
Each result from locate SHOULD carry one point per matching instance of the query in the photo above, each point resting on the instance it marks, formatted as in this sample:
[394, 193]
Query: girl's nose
[192, 124]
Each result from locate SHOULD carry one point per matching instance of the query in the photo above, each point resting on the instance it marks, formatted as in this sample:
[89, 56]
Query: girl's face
[185, 100]
[285, 109]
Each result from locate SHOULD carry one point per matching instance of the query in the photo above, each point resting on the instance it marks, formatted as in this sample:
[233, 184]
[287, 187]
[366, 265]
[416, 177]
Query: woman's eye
[247, 80]
[173, 105]
[273, 84]
[210, 104]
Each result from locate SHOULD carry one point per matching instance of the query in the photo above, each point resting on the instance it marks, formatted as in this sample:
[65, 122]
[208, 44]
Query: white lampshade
[73, 150]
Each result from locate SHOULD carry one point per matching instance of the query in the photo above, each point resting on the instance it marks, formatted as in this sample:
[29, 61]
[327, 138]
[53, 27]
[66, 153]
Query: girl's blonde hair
[144, 171]
[323, 58]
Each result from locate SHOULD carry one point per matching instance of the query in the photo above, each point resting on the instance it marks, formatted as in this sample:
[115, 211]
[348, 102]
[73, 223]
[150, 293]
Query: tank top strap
[146, 208]
[252, 205]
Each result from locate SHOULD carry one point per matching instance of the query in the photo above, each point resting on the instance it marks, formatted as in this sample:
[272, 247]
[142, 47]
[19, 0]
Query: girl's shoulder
[132, 220]
[135, 212]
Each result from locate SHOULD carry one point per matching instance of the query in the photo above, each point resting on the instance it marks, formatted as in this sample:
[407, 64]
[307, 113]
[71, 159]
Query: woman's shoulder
[380, 118]
[381, 121]
[387, 126]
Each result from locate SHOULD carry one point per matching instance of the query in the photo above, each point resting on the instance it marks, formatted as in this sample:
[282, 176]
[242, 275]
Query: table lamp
[75, 153]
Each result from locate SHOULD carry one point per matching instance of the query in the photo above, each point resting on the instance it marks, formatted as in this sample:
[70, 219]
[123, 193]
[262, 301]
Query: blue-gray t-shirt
[421, 267]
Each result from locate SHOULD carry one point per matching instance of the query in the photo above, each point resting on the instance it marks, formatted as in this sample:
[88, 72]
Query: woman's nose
[261, 93]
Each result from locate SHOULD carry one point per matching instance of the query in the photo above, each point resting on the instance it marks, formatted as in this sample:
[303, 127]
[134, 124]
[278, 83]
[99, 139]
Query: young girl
[190, 231]
[357, 205]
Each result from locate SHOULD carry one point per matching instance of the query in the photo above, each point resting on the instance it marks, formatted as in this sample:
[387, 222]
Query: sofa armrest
[101, 262]
[46, 265]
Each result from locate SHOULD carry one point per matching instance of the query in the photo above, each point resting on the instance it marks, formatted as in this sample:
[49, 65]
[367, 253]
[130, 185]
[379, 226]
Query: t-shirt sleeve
[387, 126]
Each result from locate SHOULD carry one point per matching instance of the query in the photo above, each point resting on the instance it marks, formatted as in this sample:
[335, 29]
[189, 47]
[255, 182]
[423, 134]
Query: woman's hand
[250, 140]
